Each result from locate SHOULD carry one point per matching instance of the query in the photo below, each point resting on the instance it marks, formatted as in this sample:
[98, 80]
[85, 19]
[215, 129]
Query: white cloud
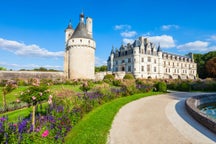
[199, 46]
[122, 27]
[100, 61]
[129, 34]
[213, 38]
[168, 27]
[165, 41]
[126, 41]
[27, 50]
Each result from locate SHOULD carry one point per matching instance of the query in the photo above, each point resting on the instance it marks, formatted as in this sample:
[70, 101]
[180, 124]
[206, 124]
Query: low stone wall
[192, 104]
[6, 75]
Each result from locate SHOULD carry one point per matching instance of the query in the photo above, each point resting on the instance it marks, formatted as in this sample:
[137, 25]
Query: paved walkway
[158, 120]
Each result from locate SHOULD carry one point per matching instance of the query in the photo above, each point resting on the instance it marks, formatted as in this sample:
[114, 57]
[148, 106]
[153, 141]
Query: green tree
[211, 67]
[9, 87]
[201, 60]
[2, 69]
[101, 68]
[36, 94]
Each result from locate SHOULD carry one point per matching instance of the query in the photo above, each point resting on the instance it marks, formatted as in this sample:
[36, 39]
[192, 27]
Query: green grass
[14, 115]
[11, 97]
[94, 127]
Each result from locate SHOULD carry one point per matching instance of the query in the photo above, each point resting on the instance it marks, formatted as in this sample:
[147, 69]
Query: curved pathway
[158, 120]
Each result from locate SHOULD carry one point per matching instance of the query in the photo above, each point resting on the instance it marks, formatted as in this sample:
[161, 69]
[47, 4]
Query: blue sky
[32, 31]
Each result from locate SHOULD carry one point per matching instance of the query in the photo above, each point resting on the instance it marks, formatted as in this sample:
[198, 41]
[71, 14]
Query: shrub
[117, 82]
[128, 76]
[108, 78]
[161, 87]
[184, 86]
[128, 87]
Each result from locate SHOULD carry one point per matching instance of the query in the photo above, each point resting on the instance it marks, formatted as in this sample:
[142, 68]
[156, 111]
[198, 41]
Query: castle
[144, 60]
[79, 59]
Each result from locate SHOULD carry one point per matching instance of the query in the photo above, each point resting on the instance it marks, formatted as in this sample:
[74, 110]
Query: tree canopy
[203, 69]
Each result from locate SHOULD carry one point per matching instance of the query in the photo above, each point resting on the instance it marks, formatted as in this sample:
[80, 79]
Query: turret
[82, 17]
[68, 32]
[89, 26]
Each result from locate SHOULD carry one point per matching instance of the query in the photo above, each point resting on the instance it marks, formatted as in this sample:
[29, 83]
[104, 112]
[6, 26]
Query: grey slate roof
[136, 43]
[81, 31]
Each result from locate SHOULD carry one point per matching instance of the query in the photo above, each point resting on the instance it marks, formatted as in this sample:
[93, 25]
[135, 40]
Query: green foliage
[2, 69]
[128, 87]
[9, 87]
[211, 67]
[117, 82]
[201, 60]
[102, 68]
[86, 86]
[108, 78]
[128, 76]
[161, 87]
[35, 94]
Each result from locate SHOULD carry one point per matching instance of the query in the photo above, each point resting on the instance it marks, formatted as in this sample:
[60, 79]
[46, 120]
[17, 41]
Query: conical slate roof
[81, 31]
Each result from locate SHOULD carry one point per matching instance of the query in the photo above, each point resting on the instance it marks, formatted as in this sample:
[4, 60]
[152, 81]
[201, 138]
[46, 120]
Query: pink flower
[17, 100]
[50, 96]
[45, 133]
[40, 93]
[50, 101]
[33, 97]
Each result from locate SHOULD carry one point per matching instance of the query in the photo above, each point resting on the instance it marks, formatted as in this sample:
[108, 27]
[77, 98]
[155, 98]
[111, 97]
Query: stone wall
[5, 75]
[192, 104]
[100, 75]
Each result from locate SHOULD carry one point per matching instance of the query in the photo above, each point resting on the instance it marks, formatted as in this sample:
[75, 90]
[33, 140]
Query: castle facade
[79, 59]
[144, 60]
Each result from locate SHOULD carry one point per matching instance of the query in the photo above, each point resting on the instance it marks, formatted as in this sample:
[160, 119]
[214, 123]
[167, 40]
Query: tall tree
[211, 67]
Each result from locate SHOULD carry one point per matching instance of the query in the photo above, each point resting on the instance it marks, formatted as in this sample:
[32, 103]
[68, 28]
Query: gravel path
[158, 120]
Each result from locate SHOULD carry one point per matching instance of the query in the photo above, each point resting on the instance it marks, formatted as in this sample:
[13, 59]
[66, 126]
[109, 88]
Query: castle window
[80, 40]
[142, 59]
[148, 68]
[142, 68]
[72, 40]
[155, 61]
[129, 68]
[149, 59]
[155, 69]
[89, 41]
[123, 69]
[123, 61]
[129, 60]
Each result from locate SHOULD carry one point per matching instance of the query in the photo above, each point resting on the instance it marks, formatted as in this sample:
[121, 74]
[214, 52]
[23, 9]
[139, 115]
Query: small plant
[108, 78]
[9, 87]
[86, 86]
[161, 87]
[128, 76]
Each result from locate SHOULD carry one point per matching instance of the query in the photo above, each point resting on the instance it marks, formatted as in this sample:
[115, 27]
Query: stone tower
[79, 59]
